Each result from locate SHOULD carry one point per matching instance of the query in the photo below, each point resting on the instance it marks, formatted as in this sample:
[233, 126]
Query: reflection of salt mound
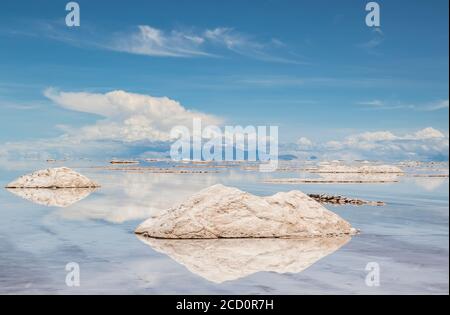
[364, 169]
[61, 177]
[429, 184]
[225, 212]
[230, 259]
[62, 197]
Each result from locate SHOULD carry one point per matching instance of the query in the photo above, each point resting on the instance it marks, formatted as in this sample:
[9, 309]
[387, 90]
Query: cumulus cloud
[129, 124]
[304, 142]
[372, 137]
[135, 124]
[425, 144]
[426, 134]
[127, 117]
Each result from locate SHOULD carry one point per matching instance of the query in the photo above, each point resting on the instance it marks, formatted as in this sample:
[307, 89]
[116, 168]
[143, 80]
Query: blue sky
[312, 67]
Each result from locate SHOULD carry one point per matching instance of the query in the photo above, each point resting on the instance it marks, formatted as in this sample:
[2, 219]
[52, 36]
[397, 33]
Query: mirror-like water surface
[408, 238]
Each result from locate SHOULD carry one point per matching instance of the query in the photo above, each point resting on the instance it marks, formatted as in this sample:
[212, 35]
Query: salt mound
[225, 212]
[61, 177]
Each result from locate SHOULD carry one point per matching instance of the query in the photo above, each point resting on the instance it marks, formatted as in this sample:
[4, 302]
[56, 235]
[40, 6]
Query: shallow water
[408, 238]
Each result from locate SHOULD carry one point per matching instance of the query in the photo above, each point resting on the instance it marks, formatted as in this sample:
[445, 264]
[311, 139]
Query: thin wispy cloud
[427, 143]
[147, 40]
[150, 41]
[19, 105]
[243, 44]
[442, 104]
[173, 43]
[385, 105]
[371, 45]
[375, 103]
[325, 82]
[388, 105]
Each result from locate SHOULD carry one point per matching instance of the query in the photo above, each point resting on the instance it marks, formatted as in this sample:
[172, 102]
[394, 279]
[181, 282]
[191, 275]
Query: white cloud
[127, 117]
[372, 103]
[243, 45]
[128, 123]
[150, 41]
[372, 44]
[427, 143]
[325, 82]
[304, 142]
[372, 136]
[442, 104]
[386, 105]
[378, 30]
[226, 36]
[427, 133]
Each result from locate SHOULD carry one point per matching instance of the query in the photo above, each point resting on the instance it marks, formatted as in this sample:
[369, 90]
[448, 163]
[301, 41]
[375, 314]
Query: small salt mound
[226, 212]
[61, 177]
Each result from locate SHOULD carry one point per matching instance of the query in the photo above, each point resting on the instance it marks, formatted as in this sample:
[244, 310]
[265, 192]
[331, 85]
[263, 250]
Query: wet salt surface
[408, 238]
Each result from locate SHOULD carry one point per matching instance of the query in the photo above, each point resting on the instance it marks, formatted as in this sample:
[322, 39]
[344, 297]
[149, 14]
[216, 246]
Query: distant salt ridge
[115, 161]
[226, 212]
[364, 169]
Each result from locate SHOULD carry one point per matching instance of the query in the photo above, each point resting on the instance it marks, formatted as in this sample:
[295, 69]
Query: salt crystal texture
[61, 177]
[226, 212]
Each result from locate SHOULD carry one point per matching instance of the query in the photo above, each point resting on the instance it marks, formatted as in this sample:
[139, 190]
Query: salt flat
[407, 237]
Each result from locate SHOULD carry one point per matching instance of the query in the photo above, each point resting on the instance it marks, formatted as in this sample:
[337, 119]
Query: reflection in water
[430, 183]
[113, 211]
[338, 178]
[222, 260]
[126, 197]
[61, 197]
[123, 197]
[364, 178]
[410, 232]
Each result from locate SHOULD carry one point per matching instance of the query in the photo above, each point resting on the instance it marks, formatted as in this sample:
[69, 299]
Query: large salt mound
[225, 212]
[61, 177]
